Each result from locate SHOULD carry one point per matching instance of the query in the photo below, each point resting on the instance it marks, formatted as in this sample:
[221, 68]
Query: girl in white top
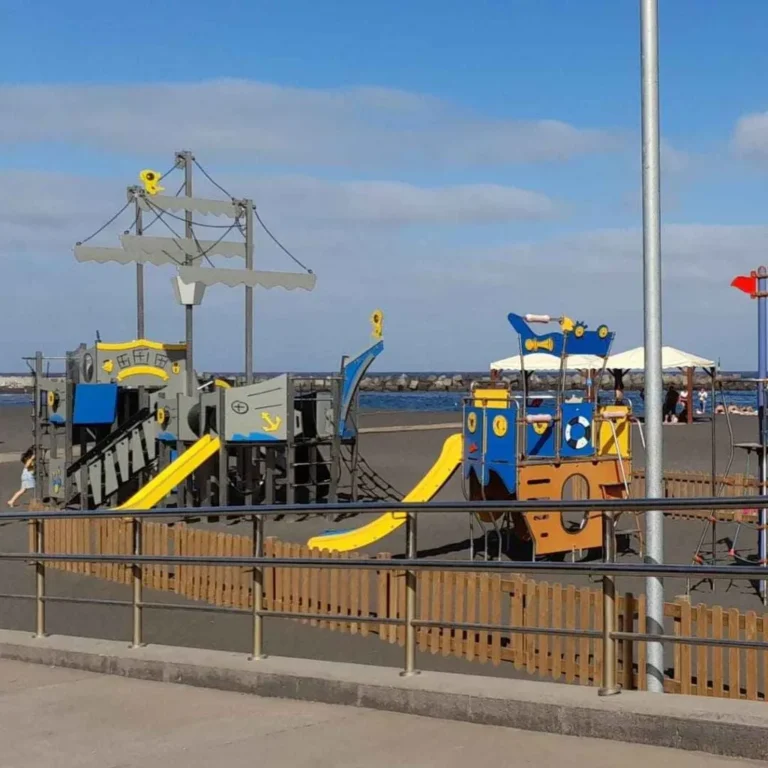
[27, 476]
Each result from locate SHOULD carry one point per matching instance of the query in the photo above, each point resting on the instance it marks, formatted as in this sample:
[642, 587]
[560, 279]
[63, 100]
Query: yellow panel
[142, 370]
[491, 398]
[124, 346]
[606, 441]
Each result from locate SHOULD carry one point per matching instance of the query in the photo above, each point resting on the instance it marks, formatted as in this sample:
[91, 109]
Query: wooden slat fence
[510, 601]
[690, 485]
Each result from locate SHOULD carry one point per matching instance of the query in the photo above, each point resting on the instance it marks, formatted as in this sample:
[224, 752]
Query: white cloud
[388, 203]
[40, 210]
[697, 252]
[353, 128]
[673, 160]
[351, 233]
[750, 137]
[446, 304]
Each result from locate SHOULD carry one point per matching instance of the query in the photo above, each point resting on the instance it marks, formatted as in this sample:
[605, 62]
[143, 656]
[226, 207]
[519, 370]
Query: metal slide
[425, 489]
[175, 473]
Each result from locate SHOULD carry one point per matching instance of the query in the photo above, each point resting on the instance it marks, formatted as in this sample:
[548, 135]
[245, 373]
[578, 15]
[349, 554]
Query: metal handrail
[669, 570]
[427, 507]
[410, 565]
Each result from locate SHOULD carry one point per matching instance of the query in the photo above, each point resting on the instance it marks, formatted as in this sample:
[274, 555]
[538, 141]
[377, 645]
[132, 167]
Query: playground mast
[654, 521]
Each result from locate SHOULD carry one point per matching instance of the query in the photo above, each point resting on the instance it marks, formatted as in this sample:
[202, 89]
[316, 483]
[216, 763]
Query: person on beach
[27, 476]
[669, 411]
[621, 399]
[703, 395]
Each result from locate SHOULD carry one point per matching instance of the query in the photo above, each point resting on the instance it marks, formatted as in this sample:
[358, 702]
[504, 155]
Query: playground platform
[73, 717]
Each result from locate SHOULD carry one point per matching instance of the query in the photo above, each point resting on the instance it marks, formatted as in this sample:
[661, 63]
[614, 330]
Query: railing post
[136, 571]
[410, 598]
[39, 579]
[609, 686]
[258, 589]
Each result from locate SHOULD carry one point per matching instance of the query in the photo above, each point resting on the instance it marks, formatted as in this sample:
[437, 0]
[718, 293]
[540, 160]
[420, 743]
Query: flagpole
[762, 373]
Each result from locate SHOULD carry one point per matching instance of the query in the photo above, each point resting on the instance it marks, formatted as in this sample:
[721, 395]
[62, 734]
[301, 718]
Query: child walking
[27, 476]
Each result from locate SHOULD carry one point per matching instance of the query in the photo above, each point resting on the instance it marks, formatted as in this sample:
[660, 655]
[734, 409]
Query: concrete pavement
[72, 719]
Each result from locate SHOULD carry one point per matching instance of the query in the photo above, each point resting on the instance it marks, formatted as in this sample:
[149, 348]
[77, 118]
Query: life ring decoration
[472, 421]
[578, 424]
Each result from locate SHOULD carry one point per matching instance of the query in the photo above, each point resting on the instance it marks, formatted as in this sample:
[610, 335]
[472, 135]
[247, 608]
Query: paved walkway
[71, 719]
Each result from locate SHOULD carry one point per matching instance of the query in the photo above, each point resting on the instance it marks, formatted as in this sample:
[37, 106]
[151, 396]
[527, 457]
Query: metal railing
[608, 570]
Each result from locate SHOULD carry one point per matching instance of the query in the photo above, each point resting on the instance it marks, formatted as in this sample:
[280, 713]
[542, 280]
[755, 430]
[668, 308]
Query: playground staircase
[117, 459]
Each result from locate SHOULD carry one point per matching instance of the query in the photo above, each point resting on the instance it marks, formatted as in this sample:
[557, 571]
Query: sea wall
[458, 382]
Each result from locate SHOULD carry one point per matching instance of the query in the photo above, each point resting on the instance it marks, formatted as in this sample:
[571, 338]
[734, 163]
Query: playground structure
[528, 447]
[131, 426]
[518, 446]
[142, 440]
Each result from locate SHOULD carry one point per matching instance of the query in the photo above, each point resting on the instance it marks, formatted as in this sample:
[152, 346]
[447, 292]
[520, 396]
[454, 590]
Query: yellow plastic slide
[177, 471]
[426, 488]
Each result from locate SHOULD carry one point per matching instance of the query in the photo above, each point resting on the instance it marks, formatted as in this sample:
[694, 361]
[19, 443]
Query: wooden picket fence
[691, 485]
[515, 601]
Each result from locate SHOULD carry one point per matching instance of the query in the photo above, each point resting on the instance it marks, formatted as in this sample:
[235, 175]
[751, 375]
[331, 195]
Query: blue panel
[486, 448]
[253, 437]
[472, 431]
[501, 442]
[579, 341]
[95, 404]
[540, 444]
[353, 373]
[578, 421]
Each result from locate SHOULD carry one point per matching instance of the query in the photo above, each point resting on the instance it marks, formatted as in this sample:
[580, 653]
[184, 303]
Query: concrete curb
[716, 726]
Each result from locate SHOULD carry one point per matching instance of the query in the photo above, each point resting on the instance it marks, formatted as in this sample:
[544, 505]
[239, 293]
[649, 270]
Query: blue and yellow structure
[517, 445]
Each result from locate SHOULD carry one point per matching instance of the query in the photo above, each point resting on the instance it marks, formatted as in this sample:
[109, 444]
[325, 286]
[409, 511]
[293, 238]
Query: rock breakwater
[454, 382]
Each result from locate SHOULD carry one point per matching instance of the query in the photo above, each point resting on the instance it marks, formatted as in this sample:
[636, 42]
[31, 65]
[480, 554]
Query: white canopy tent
[634, 359]
[671, 358]
[541, 361]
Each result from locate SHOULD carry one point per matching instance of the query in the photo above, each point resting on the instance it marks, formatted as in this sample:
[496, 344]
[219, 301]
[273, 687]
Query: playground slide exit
[177, 471]
[425, 489]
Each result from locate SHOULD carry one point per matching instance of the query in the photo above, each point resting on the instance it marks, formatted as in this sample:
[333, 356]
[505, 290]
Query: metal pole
[223, 452]
[410, 598]
[248, 450]
[187, 159]
[137, 587]
[139, 280]
[248, 205]
[654, 521]
[762, 373]
[68, 437]
[258, 588]
[609, 686]
[39, 580]
[37, 436]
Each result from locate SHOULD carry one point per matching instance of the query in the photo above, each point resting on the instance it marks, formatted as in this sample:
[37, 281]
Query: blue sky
[449, 162]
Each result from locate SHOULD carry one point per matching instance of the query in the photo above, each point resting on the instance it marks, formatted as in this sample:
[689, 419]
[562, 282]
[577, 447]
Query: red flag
[745, 283]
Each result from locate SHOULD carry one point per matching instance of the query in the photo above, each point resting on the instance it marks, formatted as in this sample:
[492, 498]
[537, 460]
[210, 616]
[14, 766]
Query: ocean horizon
[453, 401]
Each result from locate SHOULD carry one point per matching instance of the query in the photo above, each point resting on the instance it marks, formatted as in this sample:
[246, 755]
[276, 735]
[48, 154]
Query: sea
[453, 401]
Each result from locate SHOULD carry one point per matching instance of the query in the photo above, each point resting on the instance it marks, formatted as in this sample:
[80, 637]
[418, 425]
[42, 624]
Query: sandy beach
[401, 458]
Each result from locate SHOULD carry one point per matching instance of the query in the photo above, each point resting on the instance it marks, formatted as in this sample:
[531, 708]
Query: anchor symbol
[270, 424]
